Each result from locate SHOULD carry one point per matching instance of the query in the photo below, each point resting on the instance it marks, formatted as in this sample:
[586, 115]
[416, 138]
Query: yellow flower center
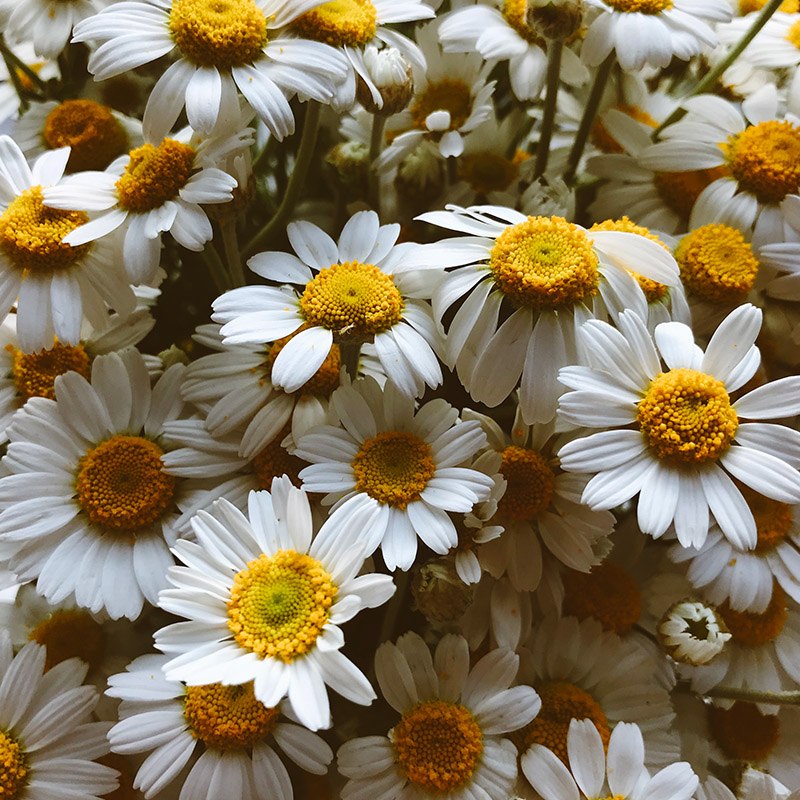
[274, 461]
[13, 768]
[686, 417]
[743, 732]
[154, 175]
[545, 262]
[353, 300]
[755, 630]
[516, 15]
[218, 33]
[774, 520]
[279, 604]
[787, 6]
[32, 235]
[530, 484]
[765, 159]
[227, 717]
[717, 264]
[70, 633]
[324, 380]
[604, 141]
[640, 6]
[438, 746]
[793, 35]
[121, 484]
[680, 190]
[561, 702]
[35, 373]
[608, 593]
[451, 95]
[341, 23]
[489, 172]
[90, 129]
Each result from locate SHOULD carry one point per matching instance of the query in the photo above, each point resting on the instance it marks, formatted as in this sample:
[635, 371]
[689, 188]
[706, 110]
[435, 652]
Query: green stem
[9, 55]
[589, 113]
[216, 269]
[556, 48]
[715, 74]
[350, 352]
[375, 148]
[750, 695]
[230, 244]
[305, 154]
[266, 152]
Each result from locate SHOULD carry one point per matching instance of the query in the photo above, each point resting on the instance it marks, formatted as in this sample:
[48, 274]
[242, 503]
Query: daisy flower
[264, 603]
[449, 740]
[86, 506]
[410, 467]
[676, 437]
[234, 734]
[549, 272]
[651, 32]
[775, 46]
[692, 632]
[361, 292]
[53, 284]
[619, 773]
[45, 24]
[239, 44]
[9, 99]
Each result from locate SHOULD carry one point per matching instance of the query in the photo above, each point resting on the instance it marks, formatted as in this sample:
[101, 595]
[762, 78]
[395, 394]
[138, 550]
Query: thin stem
[589, 113]
[749, 695]
[350, 352]
[216, 269]
[305, 153]
[9, 55]
[556, 48]
[375, 148]
[715, 74]
[230, 244]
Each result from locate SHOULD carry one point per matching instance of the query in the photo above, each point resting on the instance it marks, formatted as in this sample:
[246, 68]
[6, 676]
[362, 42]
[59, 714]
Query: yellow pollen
[545, 263]
[274, 461]
[680, 190]
[279, 604]
[787, 6]
[604, 141]
[743, 732]
[340, 23]
[438, 746]
[32, 235]
[516, 15]
[774, 520]
[325, 379]
[489, 172]
[755, 630]
[154, 175]
[765, 159]
[394, 467]
[13, 768]
[227, 717]
[35, 373]
[353, 300]
[717, 264]
[90, 129]
[70, 633]
[793, 35]
[121, 485]
[530, 484]
[686, 417]
[608, 593]
[561, 702]
[218, 33]
[640, 6]
[451, 95]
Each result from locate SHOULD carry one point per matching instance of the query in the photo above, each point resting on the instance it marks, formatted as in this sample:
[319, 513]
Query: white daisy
[775, 46]
[9, 99]
[86, 507]
[692, 632]
[410, 467]
[362, 291]
[234, 733]
[264, 603]
[450, 739]
[47, 25]
[549, 271]
[676, 437]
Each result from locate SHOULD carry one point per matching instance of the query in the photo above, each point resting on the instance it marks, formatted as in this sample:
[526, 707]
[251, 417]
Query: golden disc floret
[545, 263]
[35, 373]
[279, 604]
[394, 467]
[218, 33]
[679, 190]
[121, 484]
[686, 417]
[787, 6]
[743, 732]
[155, 174]
[756, 630]
[450, 94]
[275, 460]
[793, 34]
[13, 768]
[70, 633]
[608, 593]
[438, 746]
[227, 717]
[530, 481]
[324, 380]
[640, 6]
[32, 235]
[340, 23]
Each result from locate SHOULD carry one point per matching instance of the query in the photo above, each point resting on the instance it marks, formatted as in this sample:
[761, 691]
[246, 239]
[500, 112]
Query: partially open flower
[692, 632]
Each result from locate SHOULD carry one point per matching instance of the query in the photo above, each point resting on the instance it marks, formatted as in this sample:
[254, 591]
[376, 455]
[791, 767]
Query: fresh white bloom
[46, 24]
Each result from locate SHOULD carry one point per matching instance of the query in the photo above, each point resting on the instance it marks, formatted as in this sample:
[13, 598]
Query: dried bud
[350, 160]
[421, 177]
[555, 19]
[692, 632]
[439, 593]
[391, 74]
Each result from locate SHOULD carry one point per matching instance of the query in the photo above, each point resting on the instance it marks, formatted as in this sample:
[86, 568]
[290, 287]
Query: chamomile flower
[683, 437]
[240, 44]
[548, 272]
[450, 739]
[692, 632]
[9, 99]
[411, 467]
[264, 603]
[47, 25]
[775, 46]
[86, 507]
[358, 290]
[222, 733]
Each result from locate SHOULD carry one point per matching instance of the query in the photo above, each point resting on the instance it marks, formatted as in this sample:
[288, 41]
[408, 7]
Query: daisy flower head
[411, 467]
[53, 283]
[86, 507]
[357, 290]
[264, 602]
[548, 273]
[451, 737]
[221, 48]
[222, 733]
[9, 99]
[692, 632]
[675, 436]
[48, 26]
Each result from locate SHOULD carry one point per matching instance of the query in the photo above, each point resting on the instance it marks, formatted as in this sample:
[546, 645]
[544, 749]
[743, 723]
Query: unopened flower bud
[439, 594]
[692, 632]
[350, 160]
[173, 355]
[421, 177]
[391, 74]
[555, 19]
